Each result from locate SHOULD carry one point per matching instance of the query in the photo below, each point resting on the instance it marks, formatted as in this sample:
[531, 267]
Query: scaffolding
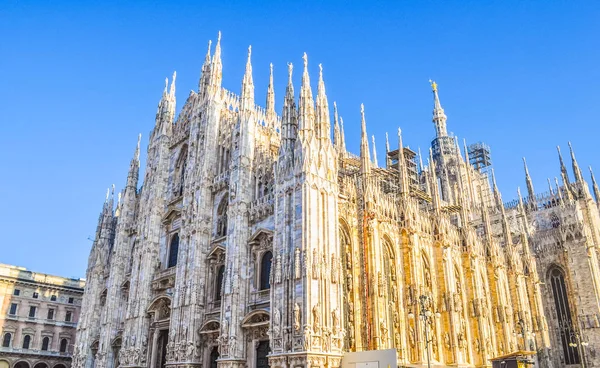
[479, 156]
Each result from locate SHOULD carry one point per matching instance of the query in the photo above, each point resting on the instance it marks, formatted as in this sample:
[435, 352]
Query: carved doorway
[262, 350]
[163, 337]
[214, 355]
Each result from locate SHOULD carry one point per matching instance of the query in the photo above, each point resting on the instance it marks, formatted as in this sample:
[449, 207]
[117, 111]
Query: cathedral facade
[257, 239]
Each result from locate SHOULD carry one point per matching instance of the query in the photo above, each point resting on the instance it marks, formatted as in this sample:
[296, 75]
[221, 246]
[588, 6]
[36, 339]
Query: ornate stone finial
[137, 150]
[249, 52]
[433, 85]
[320, 71]
[172, 91]
[166, 84]
[362, 109]
[209, 46]
[271, 69]
[107, 193]
[290, 70]
[305, 58]
[219, 37]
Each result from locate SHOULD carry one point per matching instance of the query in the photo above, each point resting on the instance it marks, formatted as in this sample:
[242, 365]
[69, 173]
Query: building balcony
[164, 279]
[220, 181]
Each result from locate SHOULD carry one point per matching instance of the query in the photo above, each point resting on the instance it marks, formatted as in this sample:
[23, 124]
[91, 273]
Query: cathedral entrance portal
[261, 354]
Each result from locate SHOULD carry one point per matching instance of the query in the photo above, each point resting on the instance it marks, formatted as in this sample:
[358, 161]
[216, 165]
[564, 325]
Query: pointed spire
[550, 189]
[306, 103]
[336, 128]
[439, 117]
[595, 187]
[558, 191]
[497, 195]
[323, 122]
[529, 183]
[375, 163]
[404, 188]
[466, 152]
[563, 169]
[576, 170]
[205, 76]
[216, 69]
[434, 187]
[134, 169]
[288, 117]
[387, 151]
[172, 91]
[364, 143]
[421, 167]
[247, 96]
[271, 96]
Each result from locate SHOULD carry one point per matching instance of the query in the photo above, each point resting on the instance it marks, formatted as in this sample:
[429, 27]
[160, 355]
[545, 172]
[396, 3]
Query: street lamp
[426, 315]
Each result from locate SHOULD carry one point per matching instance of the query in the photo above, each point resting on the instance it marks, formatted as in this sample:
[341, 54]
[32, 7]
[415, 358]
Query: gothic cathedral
[258, 240]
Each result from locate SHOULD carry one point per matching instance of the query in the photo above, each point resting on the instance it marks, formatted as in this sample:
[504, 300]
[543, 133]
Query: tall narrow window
[26, 341]
[32, 311]
[563, 311]
[13, 309]
[35, 295]
[50, 313]
[16, 292]
[6, 340]
[71, 300]
[173, 251]
[68, 316]
[45, 343]
[265, 270]
[222, 218]
[63, 345]
[219, 283]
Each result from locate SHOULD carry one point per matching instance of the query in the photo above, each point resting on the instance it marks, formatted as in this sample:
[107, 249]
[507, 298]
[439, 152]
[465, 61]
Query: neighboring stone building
[38, 316]
[259, 240]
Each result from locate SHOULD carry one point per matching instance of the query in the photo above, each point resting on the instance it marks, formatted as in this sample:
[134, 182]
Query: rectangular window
[16, 292]
[53, 298]
[13, 309]
[32, 311]
[35, 295]
[50, 313]
[70, 300]
[68, 316]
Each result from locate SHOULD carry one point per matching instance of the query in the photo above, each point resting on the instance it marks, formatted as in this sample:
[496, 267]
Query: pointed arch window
[63, 345]
[265, 270]
[173, 251]
[45, 343]
[179, 175]
[6, 340]
[222, 217]
[219, 282]
[26, 341]
[563, 311]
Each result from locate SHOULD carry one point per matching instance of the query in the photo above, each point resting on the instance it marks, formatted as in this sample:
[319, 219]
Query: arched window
[26, 341]
[265, 270]
[6, 340]
[222, 218]
[219, 283]
[45, 343]
[173, 251]
[63, 345]
[563, 311]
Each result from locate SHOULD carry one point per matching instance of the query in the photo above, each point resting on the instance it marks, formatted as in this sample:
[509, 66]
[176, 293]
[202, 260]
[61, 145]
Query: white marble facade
[256, 239]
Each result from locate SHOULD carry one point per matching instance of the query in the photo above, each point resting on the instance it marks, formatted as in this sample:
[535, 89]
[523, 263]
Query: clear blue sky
[80, 81]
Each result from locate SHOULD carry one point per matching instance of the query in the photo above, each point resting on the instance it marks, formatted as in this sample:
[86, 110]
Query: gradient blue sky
[80, 80]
